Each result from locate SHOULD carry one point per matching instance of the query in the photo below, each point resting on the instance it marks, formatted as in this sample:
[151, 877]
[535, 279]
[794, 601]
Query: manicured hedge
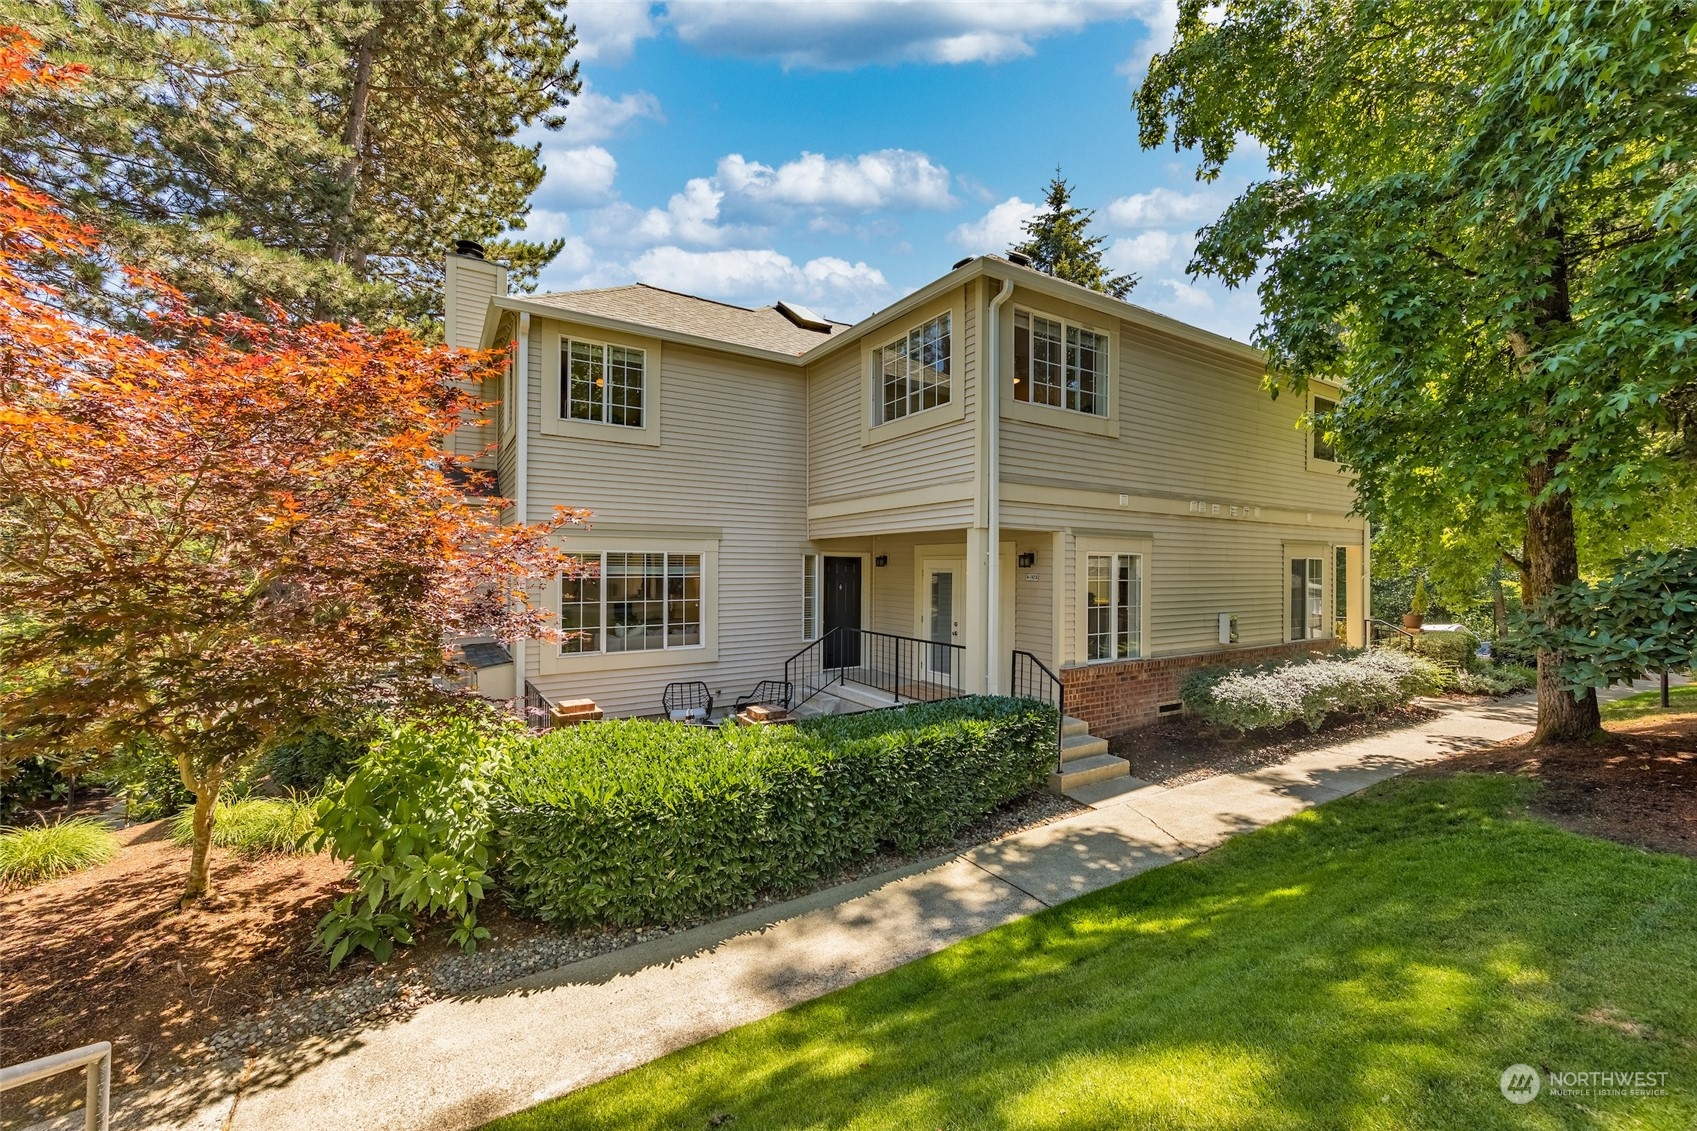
[632, 822]
[1275, 695]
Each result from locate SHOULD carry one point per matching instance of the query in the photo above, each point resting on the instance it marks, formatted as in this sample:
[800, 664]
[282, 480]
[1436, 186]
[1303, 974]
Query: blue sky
[841, 153]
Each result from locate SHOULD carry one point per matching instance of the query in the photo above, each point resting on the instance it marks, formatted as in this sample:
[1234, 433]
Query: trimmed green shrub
[1275, 695]
[252, 826]
[632, 822]
[311, 761]
[413, 818]
[1458, 648]
[31, 855]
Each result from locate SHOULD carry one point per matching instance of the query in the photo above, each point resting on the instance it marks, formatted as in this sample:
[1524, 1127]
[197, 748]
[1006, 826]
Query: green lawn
[1681, 699]
[1375, 963]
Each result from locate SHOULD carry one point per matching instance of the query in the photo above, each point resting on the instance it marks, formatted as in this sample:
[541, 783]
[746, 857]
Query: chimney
[470, 282]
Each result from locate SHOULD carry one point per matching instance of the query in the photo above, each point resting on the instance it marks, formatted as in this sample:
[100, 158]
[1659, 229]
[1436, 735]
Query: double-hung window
[1114, 606]
[913, 370]
[601, 383]
[1307, 598]
[1323, 450]
[1059, 364]
[632, 602]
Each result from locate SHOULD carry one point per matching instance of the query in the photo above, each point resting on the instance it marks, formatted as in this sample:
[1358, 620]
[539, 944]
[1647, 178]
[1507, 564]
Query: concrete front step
[1087, 771]
[1071, 726]
[1077, 746]
[1104, 792]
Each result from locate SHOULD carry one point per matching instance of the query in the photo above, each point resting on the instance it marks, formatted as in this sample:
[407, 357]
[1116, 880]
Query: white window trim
[812, 563]
[1059, 416]
[554, 662]
[1296, 551]
[873, 430]
[1311, 461]
[508, 394]
[1087, 547]
[553, 421]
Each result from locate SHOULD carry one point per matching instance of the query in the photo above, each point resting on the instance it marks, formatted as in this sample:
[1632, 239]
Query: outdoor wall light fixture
[1028, 559]
[881, 560]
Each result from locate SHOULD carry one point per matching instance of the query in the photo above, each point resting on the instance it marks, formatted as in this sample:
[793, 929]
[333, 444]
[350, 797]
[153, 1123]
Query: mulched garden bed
[1180, 751]
[1636, 786]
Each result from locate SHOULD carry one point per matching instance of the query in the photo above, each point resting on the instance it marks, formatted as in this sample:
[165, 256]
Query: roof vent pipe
[471, 249]
[963, 263]
[1019, 259]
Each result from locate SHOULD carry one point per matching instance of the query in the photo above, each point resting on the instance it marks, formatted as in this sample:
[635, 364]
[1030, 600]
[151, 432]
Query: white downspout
[992, 387]
[521, 467]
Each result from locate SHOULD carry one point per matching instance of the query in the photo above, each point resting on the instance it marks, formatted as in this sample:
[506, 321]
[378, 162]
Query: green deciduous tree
[317, 153]
[1058, 243]
[1479, 218]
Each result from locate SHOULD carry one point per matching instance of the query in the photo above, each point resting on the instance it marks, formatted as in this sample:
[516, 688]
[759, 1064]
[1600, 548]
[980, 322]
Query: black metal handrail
[903, 667]
[1374, 627]
[1030, 678]
[538, 711]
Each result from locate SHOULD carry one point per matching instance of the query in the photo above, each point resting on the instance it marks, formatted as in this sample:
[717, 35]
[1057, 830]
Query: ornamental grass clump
[632, 822]
[32, 855]
[252, 826]
[1276, 695]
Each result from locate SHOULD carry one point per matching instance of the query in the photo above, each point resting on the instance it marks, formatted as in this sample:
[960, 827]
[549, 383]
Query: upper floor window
[1322, 447]
[1059, 364]
[601, 383]
[913, 370]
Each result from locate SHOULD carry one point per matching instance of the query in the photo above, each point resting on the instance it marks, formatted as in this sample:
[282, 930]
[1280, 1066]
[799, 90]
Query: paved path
[460, 1062]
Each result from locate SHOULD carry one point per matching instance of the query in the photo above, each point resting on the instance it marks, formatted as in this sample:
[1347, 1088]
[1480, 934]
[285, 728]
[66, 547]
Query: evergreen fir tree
[319, 153]
[1057, 244]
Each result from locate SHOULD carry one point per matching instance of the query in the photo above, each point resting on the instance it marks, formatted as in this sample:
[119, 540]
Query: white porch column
[979, 562]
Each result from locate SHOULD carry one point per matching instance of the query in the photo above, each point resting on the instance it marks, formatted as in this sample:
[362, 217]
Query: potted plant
[1416, 614]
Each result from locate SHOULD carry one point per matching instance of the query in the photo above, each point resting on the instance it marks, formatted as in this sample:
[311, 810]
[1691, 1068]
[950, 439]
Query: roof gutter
[992, 399]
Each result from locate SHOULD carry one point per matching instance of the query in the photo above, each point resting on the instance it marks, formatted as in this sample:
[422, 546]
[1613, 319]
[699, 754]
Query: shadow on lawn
[1341, 969]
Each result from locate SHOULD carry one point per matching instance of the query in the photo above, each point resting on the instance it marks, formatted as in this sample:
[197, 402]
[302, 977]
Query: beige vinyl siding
[1198, 568]
[730, 459]
[1192, 422]
[470, 285]
[1033, 603]
[841, 466]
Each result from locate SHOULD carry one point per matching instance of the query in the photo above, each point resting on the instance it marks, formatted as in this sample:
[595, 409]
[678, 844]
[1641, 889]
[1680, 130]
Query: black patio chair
[688, 702]
[768, 693]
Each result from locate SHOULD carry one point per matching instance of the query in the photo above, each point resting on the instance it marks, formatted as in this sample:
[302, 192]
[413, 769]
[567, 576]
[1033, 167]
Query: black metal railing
[1030, 678]
[538, 711]
[903, 667]
[1378, 631]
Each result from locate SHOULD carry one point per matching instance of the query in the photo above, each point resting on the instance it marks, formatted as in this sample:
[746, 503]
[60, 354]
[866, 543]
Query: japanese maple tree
[211, 536]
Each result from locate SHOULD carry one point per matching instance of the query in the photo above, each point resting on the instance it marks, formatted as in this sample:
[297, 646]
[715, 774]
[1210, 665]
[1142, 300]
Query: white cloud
[690, 216]
[595, 117]
[1161, 21]
[889, 178]
[997, 230]
[608, 30]
[1164, 206]
[835, 34]
[1152, 252]
[761, 275]
[578, 176]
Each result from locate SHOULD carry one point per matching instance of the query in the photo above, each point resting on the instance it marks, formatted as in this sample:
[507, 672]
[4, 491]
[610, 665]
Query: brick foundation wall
[1116, 697]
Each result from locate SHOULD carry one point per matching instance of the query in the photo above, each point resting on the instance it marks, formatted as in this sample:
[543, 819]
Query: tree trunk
[1499, 609]
[353, 136]
[1552, 561]
[206, 789]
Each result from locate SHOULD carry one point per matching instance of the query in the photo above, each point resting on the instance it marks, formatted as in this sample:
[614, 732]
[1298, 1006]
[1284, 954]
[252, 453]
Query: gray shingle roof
[643, 305]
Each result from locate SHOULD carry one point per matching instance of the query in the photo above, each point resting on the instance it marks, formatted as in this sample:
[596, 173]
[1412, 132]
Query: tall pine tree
[316, 152]
[1057, 243]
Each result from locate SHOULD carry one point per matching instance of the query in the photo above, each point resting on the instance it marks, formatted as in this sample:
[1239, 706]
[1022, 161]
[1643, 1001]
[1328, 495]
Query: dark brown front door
[842, 610]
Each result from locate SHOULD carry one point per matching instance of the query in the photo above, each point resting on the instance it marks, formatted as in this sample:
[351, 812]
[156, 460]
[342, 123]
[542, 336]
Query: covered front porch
[912, 611]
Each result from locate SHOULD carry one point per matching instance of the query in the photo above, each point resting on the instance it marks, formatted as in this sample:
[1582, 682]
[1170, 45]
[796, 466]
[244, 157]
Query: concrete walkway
[460, 1062]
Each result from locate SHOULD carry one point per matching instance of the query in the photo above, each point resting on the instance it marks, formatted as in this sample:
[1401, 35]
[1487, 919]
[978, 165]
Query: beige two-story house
[998, 476]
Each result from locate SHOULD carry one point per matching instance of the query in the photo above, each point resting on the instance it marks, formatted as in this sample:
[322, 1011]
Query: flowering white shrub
[1245, 699]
